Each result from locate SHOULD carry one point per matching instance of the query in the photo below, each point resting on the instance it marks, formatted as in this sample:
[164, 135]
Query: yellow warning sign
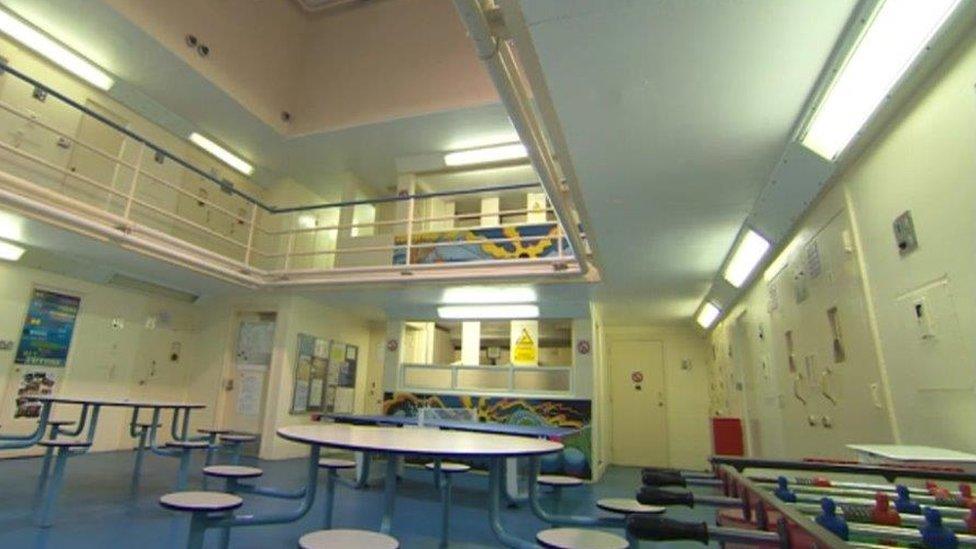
[526, 351]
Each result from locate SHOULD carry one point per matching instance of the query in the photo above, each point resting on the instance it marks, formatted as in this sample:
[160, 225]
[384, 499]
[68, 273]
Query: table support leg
[198, 528]
[46, 512]
[45, 472]
[389, 493]
[140, 454]
[330, 482]
[437, 473]
[362, 469]
[184, 472]
[494, 509]
[445, 509]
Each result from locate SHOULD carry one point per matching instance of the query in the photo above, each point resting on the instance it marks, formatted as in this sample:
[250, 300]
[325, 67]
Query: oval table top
[119, 402]
[395, 440]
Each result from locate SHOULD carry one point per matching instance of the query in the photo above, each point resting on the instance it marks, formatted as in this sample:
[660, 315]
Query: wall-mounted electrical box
[905, 237]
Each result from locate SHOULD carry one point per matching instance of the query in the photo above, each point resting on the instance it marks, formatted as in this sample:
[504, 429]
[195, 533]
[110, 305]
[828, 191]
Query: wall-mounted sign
[526, 351]
[583, 347]
[48, 328]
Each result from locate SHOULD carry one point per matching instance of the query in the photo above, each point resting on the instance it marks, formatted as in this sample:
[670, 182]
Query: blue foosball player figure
[934, 534]
[783, 491]
[829, 519]
[904, 503]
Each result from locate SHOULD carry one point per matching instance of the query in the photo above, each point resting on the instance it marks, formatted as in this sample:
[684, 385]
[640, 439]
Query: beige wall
[923, 162]
[335, 69]
[114, 352]
[301, 315]
[686, 400]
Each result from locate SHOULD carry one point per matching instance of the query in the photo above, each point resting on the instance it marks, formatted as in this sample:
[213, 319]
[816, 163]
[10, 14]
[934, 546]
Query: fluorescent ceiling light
[222, 154]
[709, 312]
[488, 295]
[898, 32]
[482, 312]
[745, 257]
[54, 52]
[486, 155]
[10, 252]
[307, 221]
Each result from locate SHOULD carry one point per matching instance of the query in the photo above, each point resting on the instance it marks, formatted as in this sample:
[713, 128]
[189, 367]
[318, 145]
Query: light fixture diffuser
[486, 155]
[10, 252]
[706, 317]
[487, 312]
[896, 34]
[747, 254]
[473, 295]
[53, 51]
[222, 154]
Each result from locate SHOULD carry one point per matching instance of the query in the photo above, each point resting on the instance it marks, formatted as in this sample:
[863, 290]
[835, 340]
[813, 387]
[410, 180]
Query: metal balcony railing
[113, 183]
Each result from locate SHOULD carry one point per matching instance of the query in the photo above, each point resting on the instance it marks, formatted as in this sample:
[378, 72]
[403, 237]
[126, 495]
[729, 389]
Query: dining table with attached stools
[81, 436]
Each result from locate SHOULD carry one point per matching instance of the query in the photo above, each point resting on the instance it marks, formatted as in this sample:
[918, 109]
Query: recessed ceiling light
[10, 252]
[222, 154]
[471, 295]
[50, 49]
[706, 317]
[896, 34]
[486, 312]
[748, 253]
[486, 155]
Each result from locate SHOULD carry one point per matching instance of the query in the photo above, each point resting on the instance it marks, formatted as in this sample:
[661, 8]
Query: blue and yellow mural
[527, 242]
[575, 457]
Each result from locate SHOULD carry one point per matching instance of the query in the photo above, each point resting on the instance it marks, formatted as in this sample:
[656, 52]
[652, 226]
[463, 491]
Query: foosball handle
[651, 495]
[654, 528]
[662, 478]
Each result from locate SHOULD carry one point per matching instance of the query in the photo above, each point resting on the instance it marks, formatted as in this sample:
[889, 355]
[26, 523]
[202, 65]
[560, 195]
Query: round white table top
[395, 440]
[578, 538]
[347, 538]
[627, 506]
[120, 402]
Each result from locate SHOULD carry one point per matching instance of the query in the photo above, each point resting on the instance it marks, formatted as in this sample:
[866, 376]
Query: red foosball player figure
[971, 519]
[882, 513]
[966, 492]
[822, 482]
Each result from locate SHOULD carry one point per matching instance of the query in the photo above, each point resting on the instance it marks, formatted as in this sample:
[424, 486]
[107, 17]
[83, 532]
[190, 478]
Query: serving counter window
[509, 356]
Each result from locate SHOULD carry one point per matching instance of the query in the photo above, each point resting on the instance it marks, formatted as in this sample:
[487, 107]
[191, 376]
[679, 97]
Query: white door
[637, 396]
[245, 382]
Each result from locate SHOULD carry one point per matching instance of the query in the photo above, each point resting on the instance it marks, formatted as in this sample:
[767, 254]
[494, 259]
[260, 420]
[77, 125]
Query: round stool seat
[237, 437]
[60, 422]
[147, 425]
[449, 467]
[334, 463]
[627, 506]
[213, 431]
[363, 539]
[558, 480]
[232, 471]
[64, 443]
[578, 538]
[191, 444]
[200, 501]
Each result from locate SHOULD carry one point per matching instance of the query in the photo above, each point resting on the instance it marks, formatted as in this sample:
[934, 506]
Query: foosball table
[805, 504]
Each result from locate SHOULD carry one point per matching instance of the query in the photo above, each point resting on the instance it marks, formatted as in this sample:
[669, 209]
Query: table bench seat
[579, 538]
[340, 538]
[210, 502]
[232, 471]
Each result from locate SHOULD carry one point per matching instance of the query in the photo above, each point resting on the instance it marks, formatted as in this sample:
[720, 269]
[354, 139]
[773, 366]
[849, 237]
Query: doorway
[245, 382]
[639, 434]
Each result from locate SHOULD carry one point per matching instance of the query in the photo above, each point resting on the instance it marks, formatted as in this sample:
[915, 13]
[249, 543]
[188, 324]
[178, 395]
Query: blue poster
[48, 328]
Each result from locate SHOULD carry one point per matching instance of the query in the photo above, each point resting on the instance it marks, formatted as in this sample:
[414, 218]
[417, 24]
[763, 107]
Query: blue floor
[98, 508]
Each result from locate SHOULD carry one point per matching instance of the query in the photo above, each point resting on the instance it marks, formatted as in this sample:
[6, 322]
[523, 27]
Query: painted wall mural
[528, 242]
[575, 459]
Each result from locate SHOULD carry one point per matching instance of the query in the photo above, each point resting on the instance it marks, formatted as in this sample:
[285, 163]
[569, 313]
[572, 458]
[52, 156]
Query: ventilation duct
[129, 283]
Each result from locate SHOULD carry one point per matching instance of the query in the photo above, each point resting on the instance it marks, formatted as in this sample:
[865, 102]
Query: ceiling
[161, 84]
[675, 114]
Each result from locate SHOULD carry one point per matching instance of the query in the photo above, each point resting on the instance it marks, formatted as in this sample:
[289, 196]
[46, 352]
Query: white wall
[923, 162]
[686, 400]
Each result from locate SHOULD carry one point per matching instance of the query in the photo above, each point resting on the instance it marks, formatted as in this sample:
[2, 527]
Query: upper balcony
[81, 166]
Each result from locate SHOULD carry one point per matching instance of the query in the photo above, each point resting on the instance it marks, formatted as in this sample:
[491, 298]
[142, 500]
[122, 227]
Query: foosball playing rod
[887, 472]
[949, 511]
[955, 524]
